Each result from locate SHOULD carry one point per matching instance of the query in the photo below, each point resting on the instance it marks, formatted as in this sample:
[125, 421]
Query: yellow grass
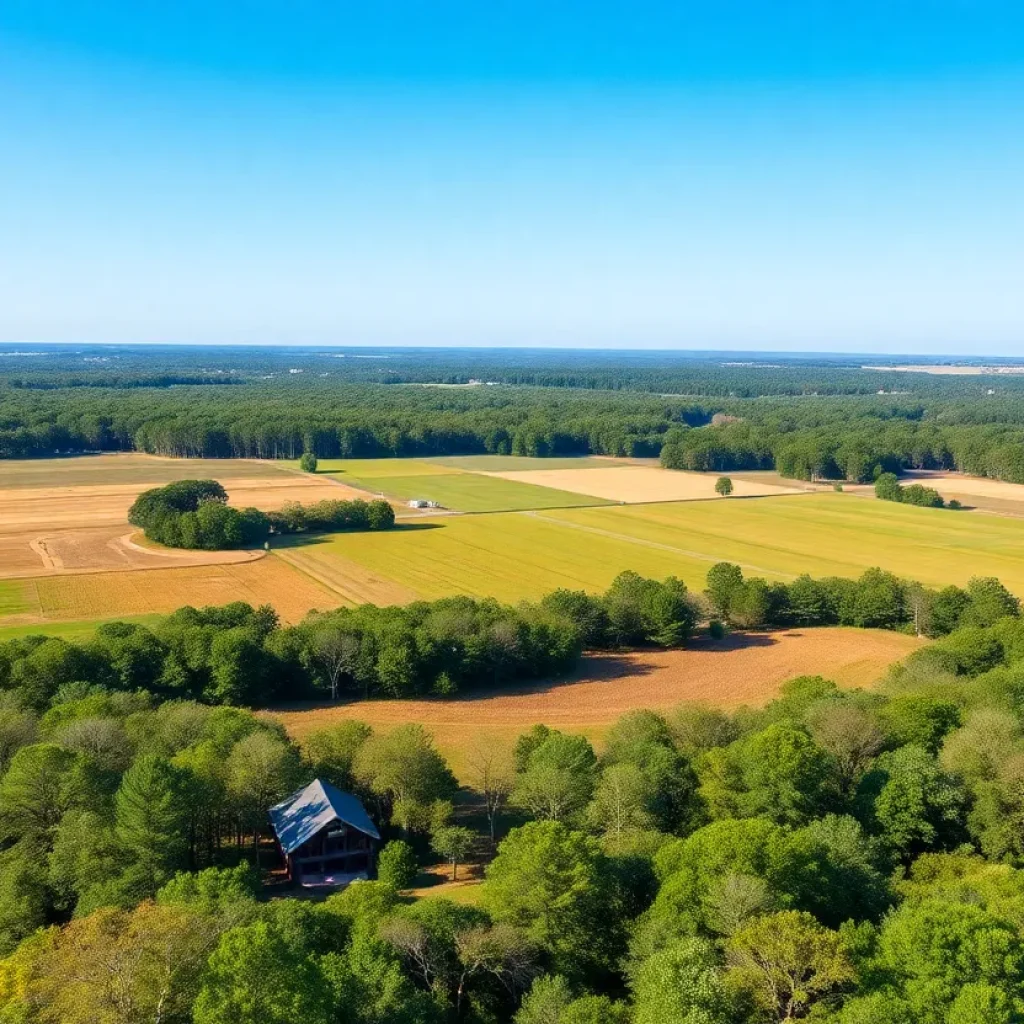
[515, 555]
[633, 484]
[959, 485]
[107, 595]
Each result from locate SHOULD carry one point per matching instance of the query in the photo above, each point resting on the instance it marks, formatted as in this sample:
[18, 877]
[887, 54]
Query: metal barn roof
[313, 808]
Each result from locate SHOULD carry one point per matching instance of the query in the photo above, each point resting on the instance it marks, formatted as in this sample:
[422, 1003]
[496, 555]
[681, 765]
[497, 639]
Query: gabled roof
[313, 808]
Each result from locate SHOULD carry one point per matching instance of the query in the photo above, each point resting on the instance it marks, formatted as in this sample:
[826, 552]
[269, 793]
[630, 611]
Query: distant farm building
[325, 836]
[423, 503]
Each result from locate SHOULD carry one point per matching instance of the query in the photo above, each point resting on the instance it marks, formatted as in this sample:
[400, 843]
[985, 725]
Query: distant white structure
[423, 503]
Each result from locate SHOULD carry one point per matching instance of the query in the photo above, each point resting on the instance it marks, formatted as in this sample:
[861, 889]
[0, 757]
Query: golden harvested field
[735, 671]
[125, 468]
[349, 581]
[637, 484]
[976, 491]
[105, 548]
[110, 594]
[54, 508]
[81, 524]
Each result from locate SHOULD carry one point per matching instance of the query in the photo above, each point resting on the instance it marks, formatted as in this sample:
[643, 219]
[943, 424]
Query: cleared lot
[63, 515]
[739, 670]
[637, 484]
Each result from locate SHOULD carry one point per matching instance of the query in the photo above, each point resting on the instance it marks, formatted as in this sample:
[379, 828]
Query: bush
[396, 865]
[308, 462]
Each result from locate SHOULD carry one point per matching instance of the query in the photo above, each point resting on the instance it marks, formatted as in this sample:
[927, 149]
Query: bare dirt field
[636, 484]
[68, 515]
[973, 490]
[742, 669]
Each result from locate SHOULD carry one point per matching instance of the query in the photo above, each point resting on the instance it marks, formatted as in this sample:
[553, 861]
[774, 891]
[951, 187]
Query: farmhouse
[325, 836]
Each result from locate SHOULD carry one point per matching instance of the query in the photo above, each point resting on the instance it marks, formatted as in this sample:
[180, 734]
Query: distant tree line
[715, 417]
[195, 514]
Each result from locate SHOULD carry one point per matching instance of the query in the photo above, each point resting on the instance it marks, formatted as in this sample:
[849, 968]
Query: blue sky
[781, 175]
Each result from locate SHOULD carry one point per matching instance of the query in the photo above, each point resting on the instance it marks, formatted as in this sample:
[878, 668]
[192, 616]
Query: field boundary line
[58, 573]
[657, 544]
[315, 576]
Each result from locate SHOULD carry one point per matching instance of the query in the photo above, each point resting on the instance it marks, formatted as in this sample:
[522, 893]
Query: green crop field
[516, 555]
[827, 534]
[507, 555]
[471, 492]
[457, 483]
[81, 630]
[17, 597]
[378, 469]
[512, 463]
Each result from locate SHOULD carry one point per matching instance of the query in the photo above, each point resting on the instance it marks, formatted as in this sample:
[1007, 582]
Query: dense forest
[814, 417]
[847, 857]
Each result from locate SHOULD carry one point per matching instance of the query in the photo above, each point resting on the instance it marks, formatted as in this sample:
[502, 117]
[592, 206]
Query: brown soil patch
[635, 484]
[742, 669]
[103, 548]
[82, 524]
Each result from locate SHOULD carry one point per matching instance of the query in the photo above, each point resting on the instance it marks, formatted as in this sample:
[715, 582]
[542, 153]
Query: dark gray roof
[313, 808]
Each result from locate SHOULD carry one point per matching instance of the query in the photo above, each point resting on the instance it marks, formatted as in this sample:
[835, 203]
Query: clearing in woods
[742, 669]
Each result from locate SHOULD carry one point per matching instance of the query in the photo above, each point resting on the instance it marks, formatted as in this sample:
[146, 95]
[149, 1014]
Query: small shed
[325, 836]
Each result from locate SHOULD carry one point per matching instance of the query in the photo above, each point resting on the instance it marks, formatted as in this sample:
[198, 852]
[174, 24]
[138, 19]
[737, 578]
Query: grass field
[458, 483]
[71, 630]
[510, 556]
[473, 492]
[17, 597]
[379, 469]
[739, 670]
[511, 463]
[826, 534]
[516, 555]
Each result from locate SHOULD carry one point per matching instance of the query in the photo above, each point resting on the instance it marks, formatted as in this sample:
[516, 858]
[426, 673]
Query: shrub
[396, 865]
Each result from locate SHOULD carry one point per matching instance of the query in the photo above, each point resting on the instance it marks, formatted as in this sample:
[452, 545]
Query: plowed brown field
[746, 669]
[67, 515]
